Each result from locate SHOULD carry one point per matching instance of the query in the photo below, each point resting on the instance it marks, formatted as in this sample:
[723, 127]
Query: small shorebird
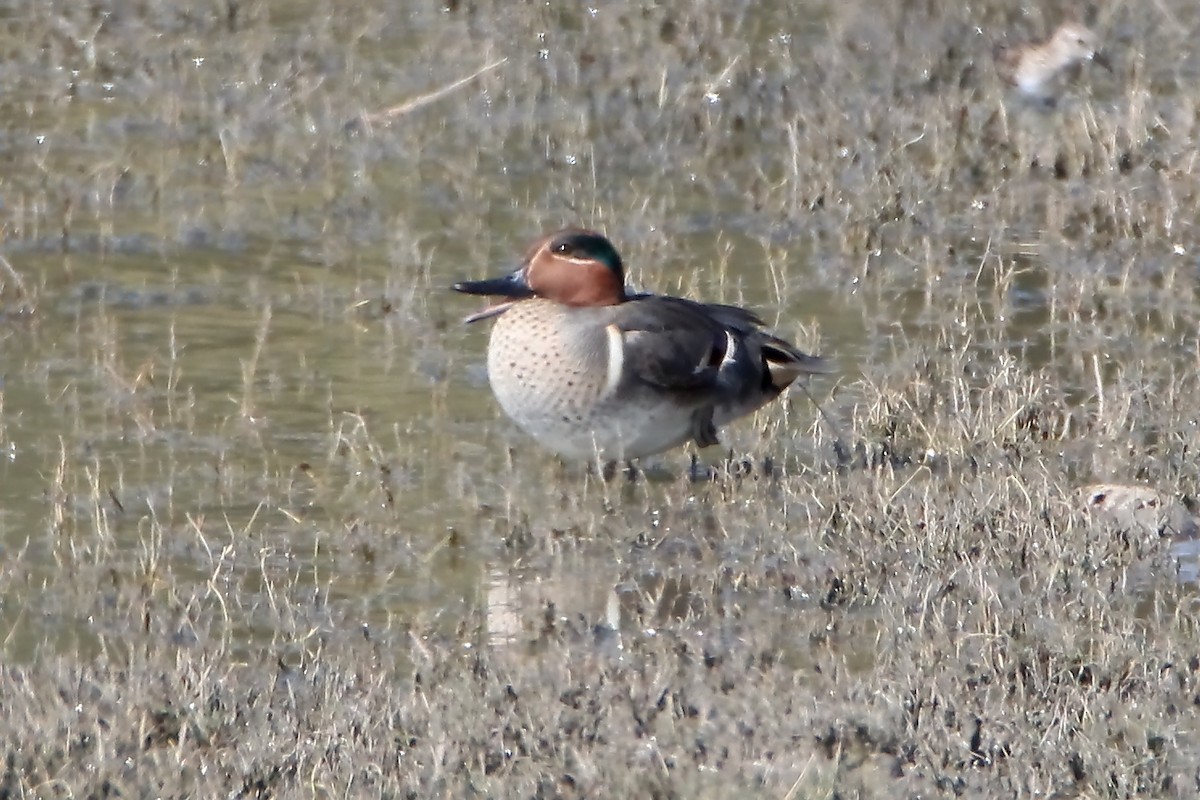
[1034, 68]
[589, 369]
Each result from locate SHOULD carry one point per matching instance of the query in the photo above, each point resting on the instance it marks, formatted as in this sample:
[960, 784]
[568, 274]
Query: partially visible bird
[1035, 68]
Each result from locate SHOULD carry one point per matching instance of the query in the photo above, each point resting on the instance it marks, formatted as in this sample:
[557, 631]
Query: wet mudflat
[263, 531]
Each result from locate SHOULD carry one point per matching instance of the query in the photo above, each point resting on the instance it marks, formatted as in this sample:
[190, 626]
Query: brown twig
[18, 282]
[425, 99]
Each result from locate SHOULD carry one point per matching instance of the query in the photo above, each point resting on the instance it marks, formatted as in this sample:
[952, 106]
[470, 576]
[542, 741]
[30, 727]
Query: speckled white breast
[550, 367]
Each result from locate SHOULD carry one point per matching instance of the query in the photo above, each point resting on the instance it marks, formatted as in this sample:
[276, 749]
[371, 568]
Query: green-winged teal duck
[589, 369]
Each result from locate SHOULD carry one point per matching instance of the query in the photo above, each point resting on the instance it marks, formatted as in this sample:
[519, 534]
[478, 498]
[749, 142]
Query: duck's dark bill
[511, 285]
[1102, 60]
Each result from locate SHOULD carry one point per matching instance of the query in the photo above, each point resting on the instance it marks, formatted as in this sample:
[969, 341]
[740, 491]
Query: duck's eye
[562, 247]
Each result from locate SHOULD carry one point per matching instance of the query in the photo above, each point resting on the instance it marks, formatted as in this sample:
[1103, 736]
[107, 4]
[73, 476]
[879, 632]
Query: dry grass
[263, 536]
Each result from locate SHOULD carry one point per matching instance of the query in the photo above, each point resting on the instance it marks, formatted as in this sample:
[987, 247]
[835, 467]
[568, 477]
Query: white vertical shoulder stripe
[616, 358]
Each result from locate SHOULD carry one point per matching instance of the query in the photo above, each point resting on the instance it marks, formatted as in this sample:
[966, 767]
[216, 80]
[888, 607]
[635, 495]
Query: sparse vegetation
[263, 533]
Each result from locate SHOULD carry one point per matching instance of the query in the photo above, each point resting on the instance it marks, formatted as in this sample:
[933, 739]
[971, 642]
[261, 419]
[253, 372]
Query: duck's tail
[783, 364]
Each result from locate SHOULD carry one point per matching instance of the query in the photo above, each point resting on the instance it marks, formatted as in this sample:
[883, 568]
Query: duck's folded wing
[776, 352]
[674, 342]
[671, 345]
